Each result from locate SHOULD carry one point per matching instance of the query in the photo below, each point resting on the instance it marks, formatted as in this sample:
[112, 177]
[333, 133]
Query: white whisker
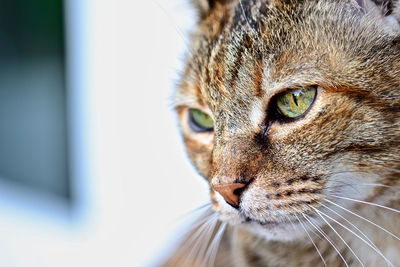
[193, 241]
[312, 241]
[375, 184]
[346, 220]
[367, 243]
[358, 184]
[172, 23]
[327, 238]
[200, 225]
[379, 170]
[201, 247]
[341, 238]
[256, 35]
[214, 246]
[204, 219]
[367, 203]
[365, 219]
[195, 210]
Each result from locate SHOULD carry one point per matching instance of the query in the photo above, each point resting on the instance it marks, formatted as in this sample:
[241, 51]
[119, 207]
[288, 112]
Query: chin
[282, 231]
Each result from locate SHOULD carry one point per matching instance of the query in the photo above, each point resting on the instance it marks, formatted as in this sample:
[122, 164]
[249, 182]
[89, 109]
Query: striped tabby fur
[322, 189]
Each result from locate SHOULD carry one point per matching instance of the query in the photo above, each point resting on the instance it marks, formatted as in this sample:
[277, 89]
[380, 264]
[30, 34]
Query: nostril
[231, 192]
[238, 191]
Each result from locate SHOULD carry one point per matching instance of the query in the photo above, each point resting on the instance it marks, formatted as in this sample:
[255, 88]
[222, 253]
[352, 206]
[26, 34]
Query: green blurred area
[31, 28]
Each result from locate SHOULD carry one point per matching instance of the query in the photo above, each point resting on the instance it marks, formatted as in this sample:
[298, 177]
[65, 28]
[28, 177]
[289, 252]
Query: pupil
[295, 100]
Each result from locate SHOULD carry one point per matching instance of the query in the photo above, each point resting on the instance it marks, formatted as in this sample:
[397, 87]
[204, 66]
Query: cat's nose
[231, 192]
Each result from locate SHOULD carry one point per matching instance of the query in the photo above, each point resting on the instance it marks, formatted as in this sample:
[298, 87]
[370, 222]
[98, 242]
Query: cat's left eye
[294, 103]
[200, 121]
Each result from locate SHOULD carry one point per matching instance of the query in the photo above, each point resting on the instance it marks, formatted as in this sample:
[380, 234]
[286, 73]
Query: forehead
[246, 51]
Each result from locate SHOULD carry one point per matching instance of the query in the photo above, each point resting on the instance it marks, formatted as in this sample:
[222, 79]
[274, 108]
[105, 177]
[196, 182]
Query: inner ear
[387, 11]
[385, 6]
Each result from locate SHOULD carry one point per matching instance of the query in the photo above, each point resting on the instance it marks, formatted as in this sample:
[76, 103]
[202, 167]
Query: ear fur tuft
[205, 6]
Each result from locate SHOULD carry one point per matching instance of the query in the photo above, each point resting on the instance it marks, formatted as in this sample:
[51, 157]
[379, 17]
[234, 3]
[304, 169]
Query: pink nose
[230, 192]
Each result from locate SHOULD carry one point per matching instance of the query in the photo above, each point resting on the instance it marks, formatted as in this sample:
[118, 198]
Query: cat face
[285, 106]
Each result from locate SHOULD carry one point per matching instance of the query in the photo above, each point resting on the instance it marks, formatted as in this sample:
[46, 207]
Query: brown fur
[246, 52]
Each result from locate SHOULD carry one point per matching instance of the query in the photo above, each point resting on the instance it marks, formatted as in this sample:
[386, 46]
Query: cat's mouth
[264, 223]
[271, 223]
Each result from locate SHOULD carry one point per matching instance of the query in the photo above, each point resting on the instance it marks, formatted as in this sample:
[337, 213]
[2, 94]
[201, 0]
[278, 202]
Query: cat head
[288, 106]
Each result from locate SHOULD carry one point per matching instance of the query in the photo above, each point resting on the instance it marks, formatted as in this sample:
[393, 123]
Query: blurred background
[92, 168]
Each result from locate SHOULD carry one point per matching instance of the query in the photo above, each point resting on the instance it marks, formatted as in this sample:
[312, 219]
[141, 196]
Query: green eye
[295, 103]
[200, 121]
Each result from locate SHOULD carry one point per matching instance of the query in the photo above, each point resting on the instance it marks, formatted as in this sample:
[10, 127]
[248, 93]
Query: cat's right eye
[295, 103]
[200, 121]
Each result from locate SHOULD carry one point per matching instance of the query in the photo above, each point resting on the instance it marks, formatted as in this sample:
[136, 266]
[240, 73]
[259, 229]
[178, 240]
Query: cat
[290, 109]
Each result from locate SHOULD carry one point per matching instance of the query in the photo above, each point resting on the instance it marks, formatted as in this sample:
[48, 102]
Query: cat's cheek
[200, 155]
[198, 145]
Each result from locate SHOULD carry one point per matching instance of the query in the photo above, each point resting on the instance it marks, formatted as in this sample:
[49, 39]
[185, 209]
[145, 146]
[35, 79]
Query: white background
[132, 176]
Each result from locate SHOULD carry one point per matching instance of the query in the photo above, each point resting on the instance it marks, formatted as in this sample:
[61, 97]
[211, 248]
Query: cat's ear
[206, 6]
[385, 11]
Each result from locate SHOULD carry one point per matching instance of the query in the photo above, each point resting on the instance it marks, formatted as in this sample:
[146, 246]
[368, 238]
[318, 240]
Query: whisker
[255, 33]
[196, 225]
[190, 212]
[202, 252]
[213, 248]
[381, 185]
[341, 185]
[358, 184]
[244, 14]
[351, 231]
[347, 245]
[327, 238]
[365, 219]
[318, 234]
[368, 172]
[172, 23]
[312, 241]
[202, 245]
[344, 172]
[208, 214]
[367, 203]
[193, 241]
[346, 220]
